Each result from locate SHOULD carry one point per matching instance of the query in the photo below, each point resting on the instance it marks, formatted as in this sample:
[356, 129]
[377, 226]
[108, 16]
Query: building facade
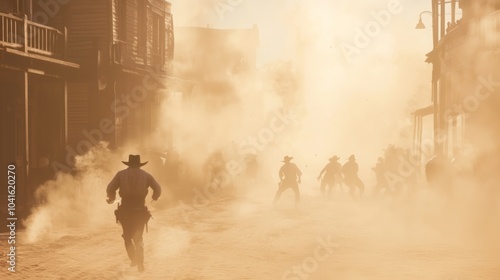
[465, 79]
[34, 70]
[125, 49]
[74, 73]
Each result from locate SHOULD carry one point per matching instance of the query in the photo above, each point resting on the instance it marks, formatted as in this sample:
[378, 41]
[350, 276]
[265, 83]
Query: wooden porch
[31, 37]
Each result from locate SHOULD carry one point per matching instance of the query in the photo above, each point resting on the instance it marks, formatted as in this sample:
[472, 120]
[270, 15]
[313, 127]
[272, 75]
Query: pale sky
[335, 21]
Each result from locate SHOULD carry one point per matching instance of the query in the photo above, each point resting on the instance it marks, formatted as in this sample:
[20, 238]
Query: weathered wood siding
[89, 37]
[6, 6]
[78, 111]
[133, 31]
[169, 29]
[88, 30]
[115, 10]
[128, 31]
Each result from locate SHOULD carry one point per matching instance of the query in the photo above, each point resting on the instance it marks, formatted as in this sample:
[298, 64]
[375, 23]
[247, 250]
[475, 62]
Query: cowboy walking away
[289, 178]
[332, 176]
[132, 185]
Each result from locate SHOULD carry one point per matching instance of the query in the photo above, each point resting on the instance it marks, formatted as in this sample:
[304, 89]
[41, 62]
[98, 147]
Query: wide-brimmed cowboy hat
[287, 159]
[352, 157]
[334, 158]
[134, 161]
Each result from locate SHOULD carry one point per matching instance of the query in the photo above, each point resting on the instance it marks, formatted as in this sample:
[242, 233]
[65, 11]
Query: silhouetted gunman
[289, 178]
[133, 214]
[381, 184]
[351, 179]
[332, 177]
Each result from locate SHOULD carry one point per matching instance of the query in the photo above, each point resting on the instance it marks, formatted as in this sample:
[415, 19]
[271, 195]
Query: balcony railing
[20, 33]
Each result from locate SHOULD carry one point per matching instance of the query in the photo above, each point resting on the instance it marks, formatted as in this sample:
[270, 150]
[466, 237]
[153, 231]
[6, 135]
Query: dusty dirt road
[249, 239]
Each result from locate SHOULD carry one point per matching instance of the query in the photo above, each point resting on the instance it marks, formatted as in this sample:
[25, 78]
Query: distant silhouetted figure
[133, 184]
[381, 182]
[351, 179]
[172, 168]
[332, 176]
[214, 166]
[289, 178]
[155, 164]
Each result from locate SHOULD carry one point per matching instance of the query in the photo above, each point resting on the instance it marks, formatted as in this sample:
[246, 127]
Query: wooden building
[125, 49]
[73, 73]
[34, 69]
[466, 77]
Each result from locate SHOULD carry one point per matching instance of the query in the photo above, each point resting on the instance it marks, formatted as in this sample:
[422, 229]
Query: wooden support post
[65, 43]
[453, 10]
[26, 146]
[25, 34]
[65, 112]
[443, 18]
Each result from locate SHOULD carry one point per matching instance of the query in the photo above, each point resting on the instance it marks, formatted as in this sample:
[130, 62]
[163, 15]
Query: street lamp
[420, 24]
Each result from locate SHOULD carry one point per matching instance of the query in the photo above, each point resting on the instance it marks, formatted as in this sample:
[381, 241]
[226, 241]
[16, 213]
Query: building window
[156, 34]
[158, 40]
[141, 27]
[122, 20]
[17, 7]
[23, 7]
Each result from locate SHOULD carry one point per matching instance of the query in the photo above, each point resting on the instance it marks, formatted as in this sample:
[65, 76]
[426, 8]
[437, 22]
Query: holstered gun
[117, 211]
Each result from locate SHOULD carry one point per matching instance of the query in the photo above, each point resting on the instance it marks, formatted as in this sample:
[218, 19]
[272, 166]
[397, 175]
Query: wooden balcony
[31, 37]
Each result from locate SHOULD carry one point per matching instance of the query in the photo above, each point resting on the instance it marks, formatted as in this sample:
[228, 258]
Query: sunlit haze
[289, 139]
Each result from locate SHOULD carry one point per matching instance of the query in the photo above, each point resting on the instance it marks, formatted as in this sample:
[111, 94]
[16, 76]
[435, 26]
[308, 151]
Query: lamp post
[420, 24]
[435, 67]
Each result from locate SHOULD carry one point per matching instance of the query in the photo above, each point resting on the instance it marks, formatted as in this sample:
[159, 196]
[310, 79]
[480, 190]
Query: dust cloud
[347, 99]
[334, 97]
[74, 200]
